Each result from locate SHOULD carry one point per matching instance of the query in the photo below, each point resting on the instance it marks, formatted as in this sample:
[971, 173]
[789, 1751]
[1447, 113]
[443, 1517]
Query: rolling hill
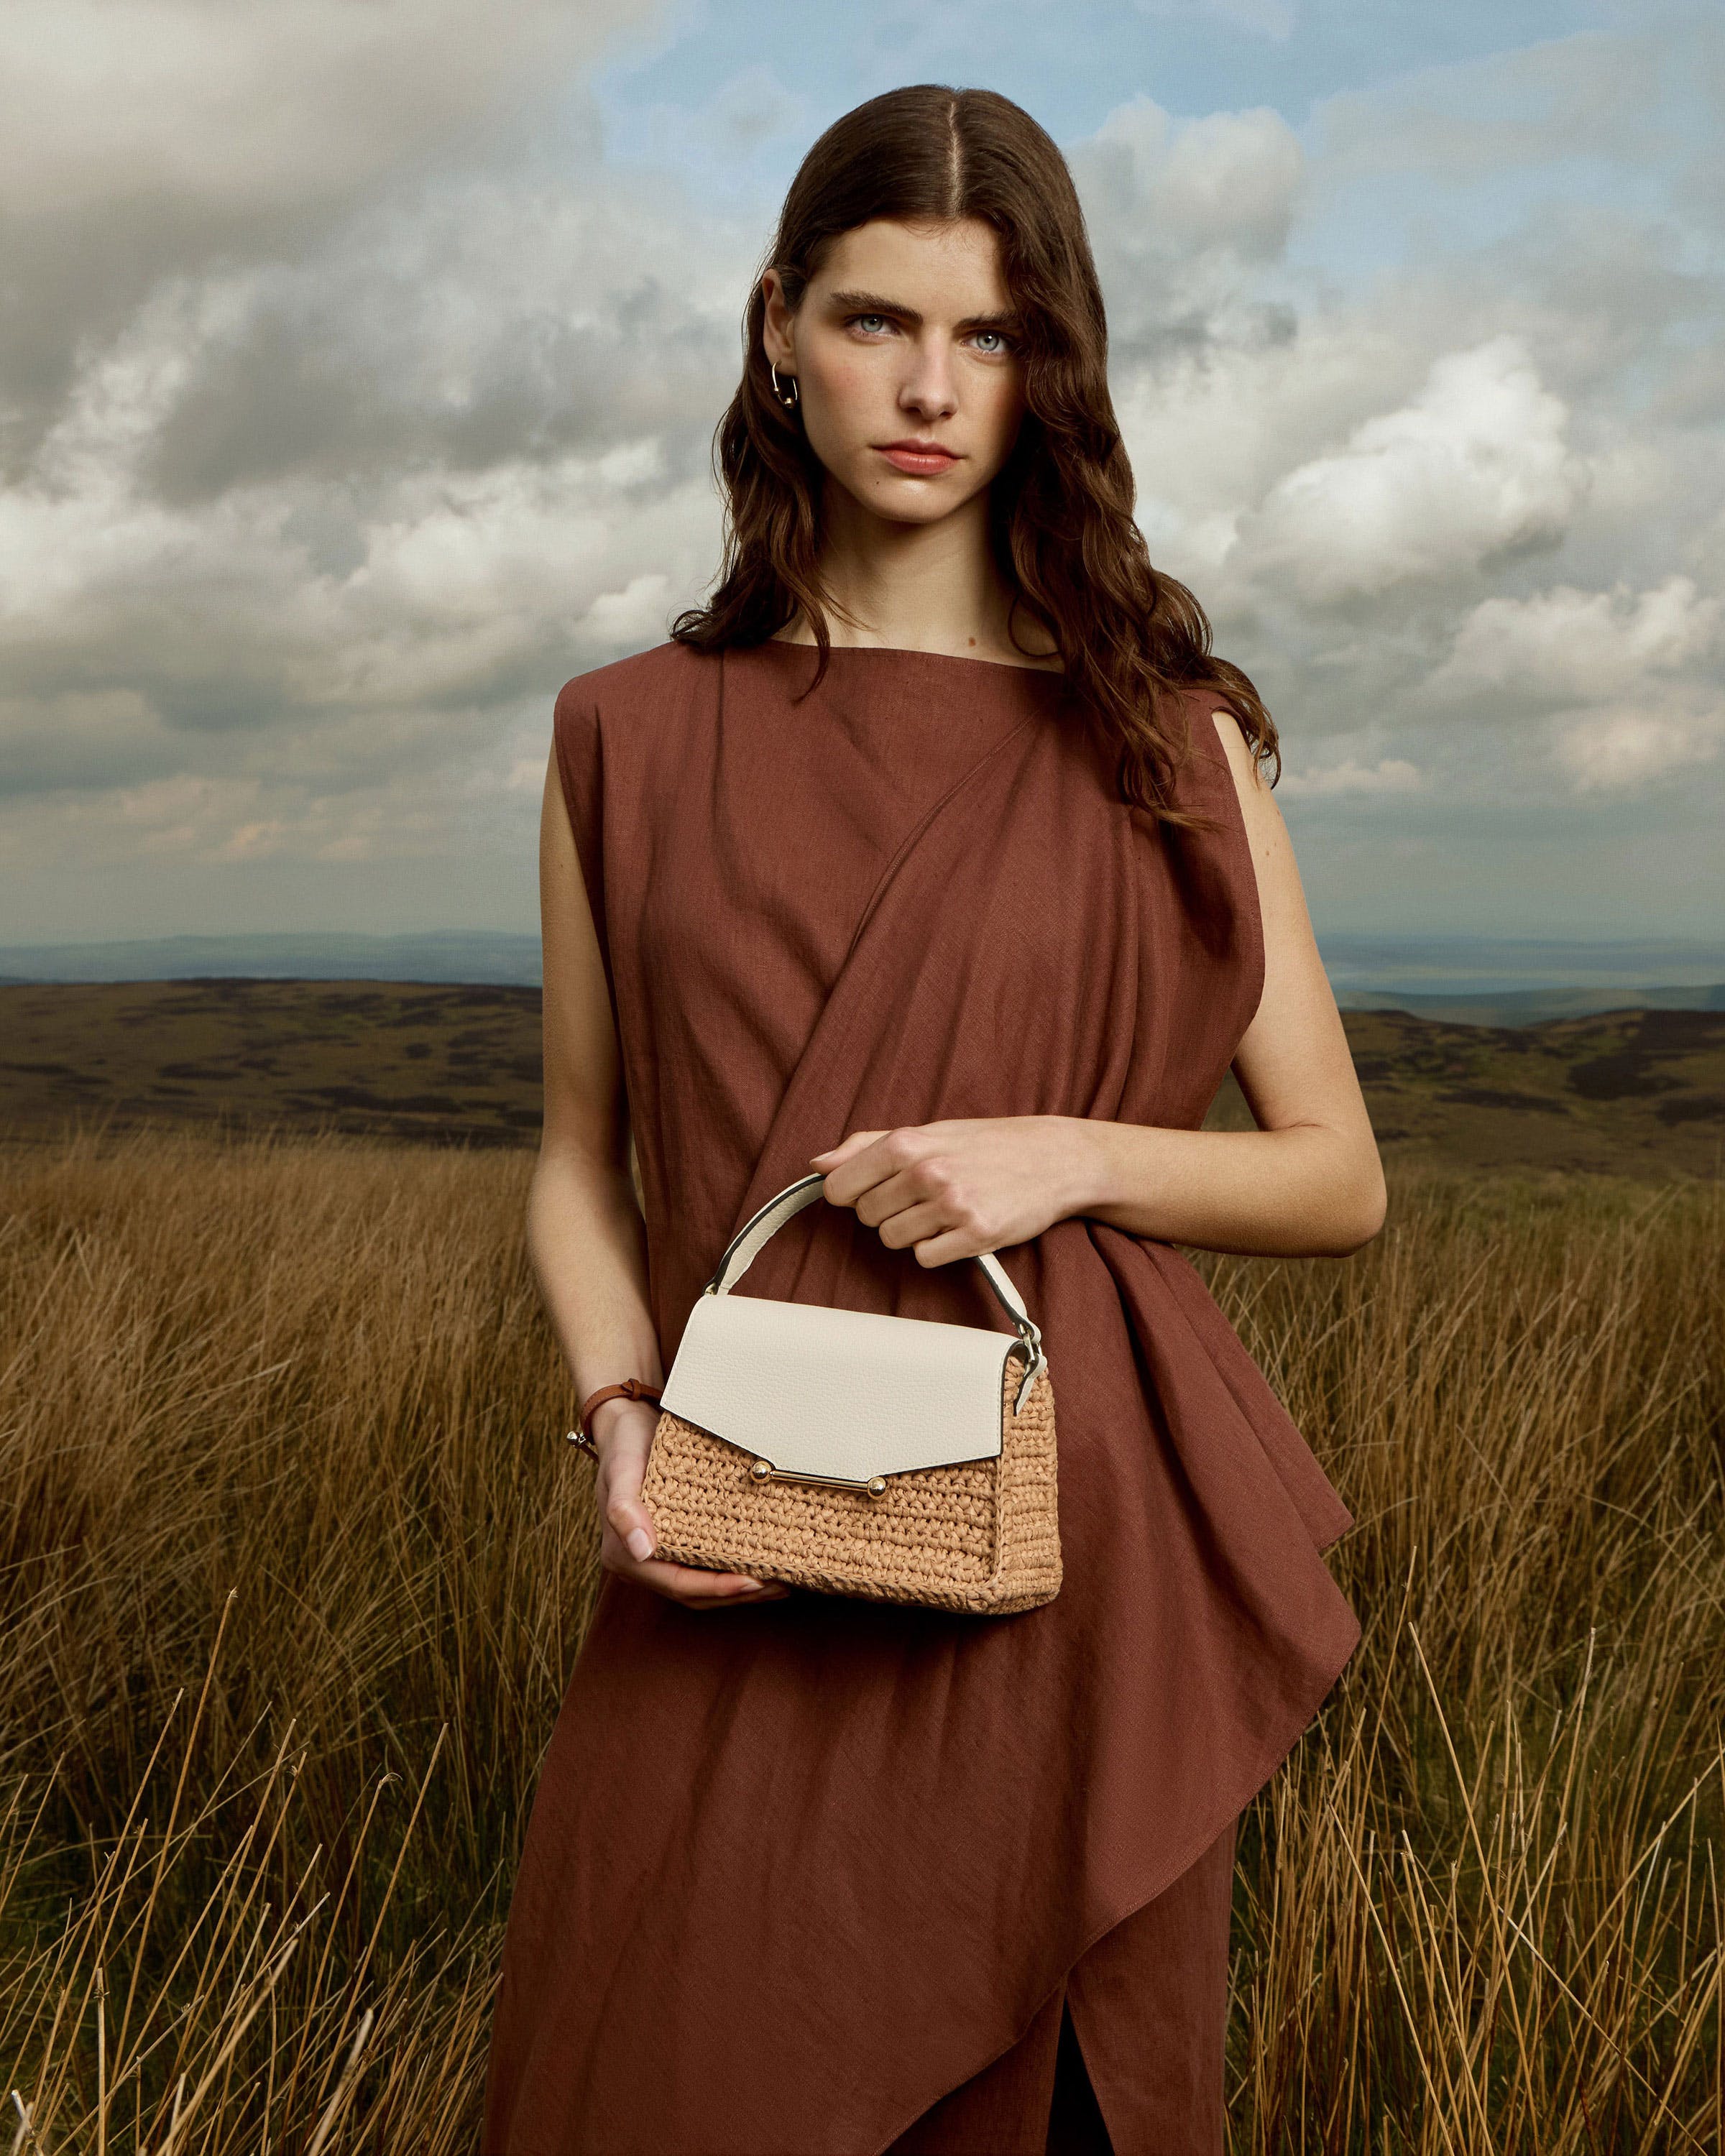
[1637, 1091]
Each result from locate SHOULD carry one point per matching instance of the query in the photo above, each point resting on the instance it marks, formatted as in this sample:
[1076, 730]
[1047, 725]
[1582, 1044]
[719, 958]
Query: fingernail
[640, 1544]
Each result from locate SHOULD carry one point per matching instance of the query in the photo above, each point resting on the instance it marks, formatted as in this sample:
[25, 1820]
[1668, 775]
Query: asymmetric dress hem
[1137, 1900]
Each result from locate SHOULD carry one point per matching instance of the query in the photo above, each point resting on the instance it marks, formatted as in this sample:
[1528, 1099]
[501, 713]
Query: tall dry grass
[294, 1567]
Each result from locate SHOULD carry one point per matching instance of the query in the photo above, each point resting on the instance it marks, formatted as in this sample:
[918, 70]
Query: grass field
[294, 1563]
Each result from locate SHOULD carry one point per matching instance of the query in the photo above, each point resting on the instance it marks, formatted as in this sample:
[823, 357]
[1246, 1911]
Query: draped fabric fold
[794, 1872]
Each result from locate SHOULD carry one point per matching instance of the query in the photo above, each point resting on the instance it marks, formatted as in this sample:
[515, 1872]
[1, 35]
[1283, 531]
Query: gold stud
[761, 1469]
[877, 1485]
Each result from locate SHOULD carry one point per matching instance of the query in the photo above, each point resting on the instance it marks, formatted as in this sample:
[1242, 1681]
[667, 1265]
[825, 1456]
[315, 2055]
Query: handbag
[900, 1458]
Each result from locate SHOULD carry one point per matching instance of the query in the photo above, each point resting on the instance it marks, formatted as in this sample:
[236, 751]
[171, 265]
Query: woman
[969, 905]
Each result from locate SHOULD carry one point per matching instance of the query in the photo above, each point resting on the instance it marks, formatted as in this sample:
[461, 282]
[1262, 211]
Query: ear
[775, 339]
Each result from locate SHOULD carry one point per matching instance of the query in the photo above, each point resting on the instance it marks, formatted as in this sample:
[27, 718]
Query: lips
[922, 463]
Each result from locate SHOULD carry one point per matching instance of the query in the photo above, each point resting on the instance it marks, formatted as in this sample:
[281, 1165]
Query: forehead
[951, 267]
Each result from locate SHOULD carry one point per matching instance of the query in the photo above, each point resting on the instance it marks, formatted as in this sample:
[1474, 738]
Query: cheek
[1001, 410]
[842, 385]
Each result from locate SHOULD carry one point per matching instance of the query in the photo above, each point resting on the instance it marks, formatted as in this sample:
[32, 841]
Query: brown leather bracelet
[631, 1388]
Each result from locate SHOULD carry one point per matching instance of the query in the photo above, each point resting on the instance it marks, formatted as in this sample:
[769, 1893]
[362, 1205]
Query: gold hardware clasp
[764, 1470]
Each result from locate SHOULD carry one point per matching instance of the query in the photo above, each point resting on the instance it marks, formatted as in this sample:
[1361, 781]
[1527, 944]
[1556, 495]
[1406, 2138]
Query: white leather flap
[847, 1394]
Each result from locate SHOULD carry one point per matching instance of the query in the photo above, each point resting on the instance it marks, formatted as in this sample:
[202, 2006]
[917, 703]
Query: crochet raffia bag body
[896, 1457]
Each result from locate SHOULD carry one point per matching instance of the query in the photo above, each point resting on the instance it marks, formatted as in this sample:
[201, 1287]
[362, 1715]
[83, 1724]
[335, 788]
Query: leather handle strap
[745, 1245]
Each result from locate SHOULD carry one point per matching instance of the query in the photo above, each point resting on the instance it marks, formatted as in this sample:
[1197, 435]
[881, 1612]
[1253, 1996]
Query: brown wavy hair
[1060, 509]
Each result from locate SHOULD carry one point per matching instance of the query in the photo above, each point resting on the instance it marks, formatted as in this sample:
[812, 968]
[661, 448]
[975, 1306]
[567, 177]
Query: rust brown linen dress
[795, 1873]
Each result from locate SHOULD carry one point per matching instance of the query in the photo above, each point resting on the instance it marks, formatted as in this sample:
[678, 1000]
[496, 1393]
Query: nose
[929, 387]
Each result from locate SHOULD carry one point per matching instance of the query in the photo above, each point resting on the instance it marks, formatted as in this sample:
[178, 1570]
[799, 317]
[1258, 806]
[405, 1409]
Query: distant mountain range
[1533, 1006]
[1471, 980]
[1631, 1092]
[459, 955]
[1480, 980]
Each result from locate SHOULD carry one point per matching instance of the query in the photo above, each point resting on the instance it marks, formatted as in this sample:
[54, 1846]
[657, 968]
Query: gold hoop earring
[795, 397]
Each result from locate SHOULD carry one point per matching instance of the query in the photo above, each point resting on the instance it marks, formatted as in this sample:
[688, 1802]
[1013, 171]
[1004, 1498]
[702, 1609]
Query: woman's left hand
[953, 1189]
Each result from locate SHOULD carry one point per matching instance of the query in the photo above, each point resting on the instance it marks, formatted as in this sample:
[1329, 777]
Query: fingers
[910, 1170]
[852, 1142]
[625, 1514]
[689, 1584]
[845, 1180]
[627, 1543]
[909, 1219]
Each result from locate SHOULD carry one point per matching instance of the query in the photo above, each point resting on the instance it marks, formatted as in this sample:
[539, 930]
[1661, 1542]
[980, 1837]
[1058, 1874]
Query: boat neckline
[911, 651]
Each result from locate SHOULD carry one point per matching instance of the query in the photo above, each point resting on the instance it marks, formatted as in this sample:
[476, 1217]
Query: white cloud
[1210, 431]
[1622, 681]
[1564, 644]
[241, 105]
[1623, 749]
[1477, 463]
[629, 617]
[304, 525]
[1182, 216]
[1388, 775]
[1593, 93]
[1228, 181]
[466, 581]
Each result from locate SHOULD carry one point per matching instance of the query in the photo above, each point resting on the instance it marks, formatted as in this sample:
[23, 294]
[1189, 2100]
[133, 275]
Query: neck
[918, 587]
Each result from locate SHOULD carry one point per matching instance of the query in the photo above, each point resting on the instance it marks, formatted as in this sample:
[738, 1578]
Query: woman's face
[905, 337]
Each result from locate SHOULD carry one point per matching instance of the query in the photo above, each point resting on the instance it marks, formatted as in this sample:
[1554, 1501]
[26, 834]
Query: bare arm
[585, 1232]
[1307, 1182]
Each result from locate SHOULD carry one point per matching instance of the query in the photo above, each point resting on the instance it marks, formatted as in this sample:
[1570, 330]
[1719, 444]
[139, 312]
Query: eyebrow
[872, 303]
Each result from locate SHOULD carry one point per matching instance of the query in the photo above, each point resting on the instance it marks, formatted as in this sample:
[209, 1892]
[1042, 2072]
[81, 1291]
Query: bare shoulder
[1248, 781]
[1266, 834]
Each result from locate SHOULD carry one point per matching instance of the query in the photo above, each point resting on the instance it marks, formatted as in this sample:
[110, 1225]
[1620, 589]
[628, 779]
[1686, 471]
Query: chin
[905, 493]
[927, 511]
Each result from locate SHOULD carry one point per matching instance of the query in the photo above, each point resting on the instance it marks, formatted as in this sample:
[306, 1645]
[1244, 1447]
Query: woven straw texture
[983, 1537]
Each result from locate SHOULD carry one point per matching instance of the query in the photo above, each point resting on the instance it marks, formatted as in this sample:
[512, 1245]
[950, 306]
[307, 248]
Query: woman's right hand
[623, 1432]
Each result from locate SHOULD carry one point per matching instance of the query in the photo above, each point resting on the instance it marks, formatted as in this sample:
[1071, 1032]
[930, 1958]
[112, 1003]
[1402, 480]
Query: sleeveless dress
[796, 1873]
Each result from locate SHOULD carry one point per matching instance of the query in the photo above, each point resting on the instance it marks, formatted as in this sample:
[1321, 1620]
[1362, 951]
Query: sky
[359, 365]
